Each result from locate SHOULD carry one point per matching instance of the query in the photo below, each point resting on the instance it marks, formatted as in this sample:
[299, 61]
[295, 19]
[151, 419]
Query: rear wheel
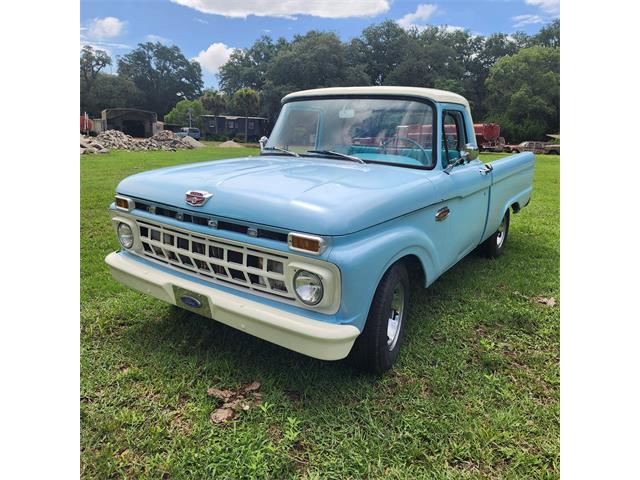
[377, 347]
[493, 246]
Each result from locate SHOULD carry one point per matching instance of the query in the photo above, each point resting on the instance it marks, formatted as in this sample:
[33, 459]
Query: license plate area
[192, 301]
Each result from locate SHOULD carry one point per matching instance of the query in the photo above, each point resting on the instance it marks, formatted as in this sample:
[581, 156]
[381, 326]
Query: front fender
[364, 257]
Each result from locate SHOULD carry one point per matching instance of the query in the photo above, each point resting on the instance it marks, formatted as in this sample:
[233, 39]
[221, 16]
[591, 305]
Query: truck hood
[310, 195]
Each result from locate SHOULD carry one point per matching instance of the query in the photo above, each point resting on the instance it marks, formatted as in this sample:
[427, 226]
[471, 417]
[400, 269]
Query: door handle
[488, 168]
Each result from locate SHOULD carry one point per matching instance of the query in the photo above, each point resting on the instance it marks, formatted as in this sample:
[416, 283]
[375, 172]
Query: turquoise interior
[404, 156]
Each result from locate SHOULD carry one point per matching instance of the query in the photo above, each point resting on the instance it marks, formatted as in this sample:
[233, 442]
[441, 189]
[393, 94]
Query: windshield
[376, 130]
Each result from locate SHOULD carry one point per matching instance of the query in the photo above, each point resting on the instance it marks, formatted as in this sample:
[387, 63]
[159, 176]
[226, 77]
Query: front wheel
[493, 246]
[377, 347]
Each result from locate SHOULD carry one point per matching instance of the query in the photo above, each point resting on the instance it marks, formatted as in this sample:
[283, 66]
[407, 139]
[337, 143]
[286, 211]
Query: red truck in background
[488, 137]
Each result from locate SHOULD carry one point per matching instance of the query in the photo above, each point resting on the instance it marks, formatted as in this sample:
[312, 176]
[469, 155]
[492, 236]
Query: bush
[220, 137]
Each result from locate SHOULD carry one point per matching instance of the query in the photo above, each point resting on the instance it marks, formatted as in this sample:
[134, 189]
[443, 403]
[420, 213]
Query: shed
[132, 121]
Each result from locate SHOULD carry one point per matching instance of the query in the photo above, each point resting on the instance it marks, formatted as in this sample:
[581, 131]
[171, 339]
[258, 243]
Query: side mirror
[263, 141]
[470, 152]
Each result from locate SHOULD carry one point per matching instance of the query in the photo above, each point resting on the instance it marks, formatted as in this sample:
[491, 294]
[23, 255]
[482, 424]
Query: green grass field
[475, 393]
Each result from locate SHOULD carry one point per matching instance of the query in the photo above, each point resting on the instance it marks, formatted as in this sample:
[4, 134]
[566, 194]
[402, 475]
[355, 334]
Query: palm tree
[247, 101]
[214, 103]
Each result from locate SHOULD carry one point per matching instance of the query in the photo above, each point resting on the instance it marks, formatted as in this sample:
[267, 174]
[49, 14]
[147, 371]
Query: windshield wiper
[283, 150]
[338, 155]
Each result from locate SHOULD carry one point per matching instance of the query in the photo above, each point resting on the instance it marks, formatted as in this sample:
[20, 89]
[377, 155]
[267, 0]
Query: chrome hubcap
[395, 317]
[501, 232]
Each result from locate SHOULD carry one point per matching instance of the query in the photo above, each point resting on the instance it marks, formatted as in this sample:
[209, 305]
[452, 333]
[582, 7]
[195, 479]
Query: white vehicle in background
[189, 132]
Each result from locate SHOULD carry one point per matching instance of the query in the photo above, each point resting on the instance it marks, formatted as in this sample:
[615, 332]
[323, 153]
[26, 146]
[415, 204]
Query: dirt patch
[230, 144]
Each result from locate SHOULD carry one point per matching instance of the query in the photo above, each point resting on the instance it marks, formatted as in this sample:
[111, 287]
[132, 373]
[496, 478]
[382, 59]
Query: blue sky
[208, 30]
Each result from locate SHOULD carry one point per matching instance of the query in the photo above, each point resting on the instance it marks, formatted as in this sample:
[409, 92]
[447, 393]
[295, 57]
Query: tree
[270, 97]
[214, 103]
[381, 48]
[247, 101]
[384, 54]
[487, 51]
[434, 57]
[161, 72]
[317, 59]
[179, 114]
[248, 68]
[524, 93]
[548, 36]
[92, 61]
[109, 91]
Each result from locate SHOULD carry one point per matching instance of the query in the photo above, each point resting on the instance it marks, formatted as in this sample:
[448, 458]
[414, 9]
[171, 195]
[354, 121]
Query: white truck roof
[430, 93]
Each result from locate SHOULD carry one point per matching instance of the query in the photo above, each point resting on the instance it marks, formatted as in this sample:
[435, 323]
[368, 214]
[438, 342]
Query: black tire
[374, 351]
[493, 246]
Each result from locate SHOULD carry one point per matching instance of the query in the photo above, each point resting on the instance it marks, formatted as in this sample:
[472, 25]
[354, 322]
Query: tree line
[513, 80]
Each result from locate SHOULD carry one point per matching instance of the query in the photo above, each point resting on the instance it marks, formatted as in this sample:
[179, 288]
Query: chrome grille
[214, 259]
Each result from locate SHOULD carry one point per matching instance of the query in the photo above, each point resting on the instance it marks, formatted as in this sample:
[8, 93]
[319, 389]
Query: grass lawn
[475, 393]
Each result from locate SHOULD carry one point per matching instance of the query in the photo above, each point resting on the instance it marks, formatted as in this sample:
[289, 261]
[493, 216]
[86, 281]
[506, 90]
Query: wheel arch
[417, 262]
[365, 260]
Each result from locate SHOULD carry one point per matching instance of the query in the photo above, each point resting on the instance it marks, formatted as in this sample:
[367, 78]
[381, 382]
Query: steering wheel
[384, 144]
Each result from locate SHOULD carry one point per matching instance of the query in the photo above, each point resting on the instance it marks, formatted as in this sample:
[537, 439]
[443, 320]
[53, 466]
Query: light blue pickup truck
[359, 194]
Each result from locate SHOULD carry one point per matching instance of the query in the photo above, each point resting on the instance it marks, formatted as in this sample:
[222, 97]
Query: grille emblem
[197, 198]
[190, 301]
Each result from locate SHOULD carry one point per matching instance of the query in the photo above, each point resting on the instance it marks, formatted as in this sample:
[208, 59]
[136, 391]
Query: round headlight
[125, 235]
[308, 287]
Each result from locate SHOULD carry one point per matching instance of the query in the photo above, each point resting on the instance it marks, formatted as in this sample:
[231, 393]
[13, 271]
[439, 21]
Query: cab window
[454, 137]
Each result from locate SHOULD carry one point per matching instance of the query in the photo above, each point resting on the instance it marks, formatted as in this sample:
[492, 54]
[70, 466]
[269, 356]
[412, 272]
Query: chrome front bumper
[314, 338]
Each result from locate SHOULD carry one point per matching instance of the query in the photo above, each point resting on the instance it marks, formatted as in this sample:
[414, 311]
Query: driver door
[465, 188]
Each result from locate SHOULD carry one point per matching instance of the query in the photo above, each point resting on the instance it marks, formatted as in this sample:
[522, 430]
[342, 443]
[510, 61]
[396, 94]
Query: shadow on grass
[225, 356]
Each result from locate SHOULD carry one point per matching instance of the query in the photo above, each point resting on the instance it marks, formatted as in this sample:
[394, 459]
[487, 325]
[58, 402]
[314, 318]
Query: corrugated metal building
[132, 121]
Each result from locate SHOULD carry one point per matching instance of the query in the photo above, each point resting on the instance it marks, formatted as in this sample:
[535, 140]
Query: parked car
[189, 132]
[315, 244]
[552, 148]
[535, 147]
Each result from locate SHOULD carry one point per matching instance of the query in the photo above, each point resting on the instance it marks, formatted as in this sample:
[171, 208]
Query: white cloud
[422, 13]
[157, 38]
[214, 57]
[527, 19]
[107, 27]
[108, 47]
[549, 6]
[289, 8]
[200, 20]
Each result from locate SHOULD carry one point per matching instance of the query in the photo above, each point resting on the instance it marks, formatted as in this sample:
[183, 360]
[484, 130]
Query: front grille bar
[213, 259]
[190, 217]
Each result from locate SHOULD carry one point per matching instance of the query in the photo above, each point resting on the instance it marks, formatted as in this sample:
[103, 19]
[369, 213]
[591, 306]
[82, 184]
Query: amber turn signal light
[306, 243]
[123, 203]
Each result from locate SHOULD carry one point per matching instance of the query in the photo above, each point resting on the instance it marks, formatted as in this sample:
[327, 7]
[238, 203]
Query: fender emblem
[442, 214]
[197, 198]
